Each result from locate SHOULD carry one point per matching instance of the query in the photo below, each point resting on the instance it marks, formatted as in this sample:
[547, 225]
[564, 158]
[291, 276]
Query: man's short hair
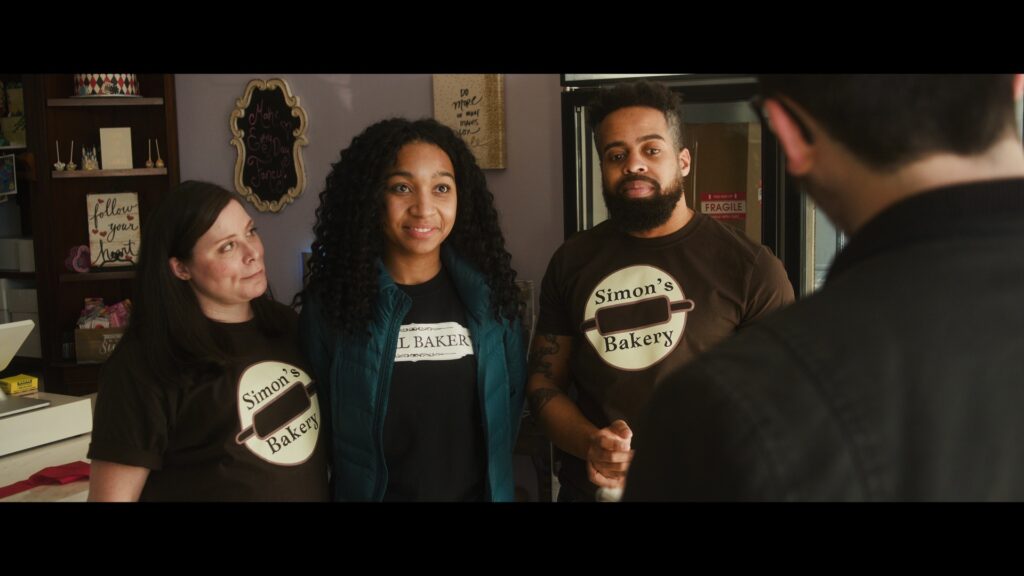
[889, 121]
[641, 93]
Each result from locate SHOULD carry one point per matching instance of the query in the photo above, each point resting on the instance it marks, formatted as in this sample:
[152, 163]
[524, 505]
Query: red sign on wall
[724, 206]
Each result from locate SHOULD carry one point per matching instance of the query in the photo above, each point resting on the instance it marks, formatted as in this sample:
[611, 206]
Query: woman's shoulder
[276, 316]
[126, 362]
[279, 308]
[128, 347]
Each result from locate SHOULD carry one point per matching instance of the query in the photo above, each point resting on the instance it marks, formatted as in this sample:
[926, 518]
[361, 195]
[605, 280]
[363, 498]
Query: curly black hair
[349, 223]
[643, 93]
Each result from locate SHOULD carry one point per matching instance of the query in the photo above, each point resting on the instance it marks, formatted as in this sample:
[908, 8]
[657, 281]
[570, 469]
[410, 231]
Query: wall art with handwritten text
[269, 129]
[474, 106]
[114, 229]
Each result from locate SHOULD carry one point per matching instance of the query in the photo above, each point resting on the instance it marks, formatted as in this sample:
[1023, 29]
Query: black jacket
[902, 379]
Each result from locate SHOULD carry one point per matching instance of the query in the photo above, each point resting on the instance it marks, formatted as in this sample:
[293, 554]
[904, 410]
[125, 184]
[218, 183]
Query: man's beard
[640, 214]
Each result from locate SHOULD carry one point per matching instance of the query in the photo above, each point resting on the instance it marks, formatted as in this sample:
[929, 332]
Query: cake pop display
[58, 165]
[71, 166]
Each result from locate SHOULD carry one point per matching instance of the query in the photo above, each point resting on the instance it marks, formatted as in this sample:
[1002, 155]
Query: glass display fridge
[737, 170]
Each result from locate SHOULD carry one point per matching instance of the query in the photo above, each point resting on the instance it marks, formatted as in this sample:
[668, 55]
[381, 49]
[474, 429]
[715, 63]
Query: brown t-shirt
[639, 308]
[252, 433]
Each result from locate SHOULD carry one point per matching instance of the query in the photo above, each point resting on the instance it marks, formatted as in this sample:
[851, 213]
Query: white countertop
[20, 465]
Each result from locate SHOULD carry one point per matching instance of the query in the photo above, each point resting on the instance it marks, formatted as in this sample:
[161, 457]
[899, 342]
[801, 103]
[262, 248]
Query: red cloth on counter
[63, 474]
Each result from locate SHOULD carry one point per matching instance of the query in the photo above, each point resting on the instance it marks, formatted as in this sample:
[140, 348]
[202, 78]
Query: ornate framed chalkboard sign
[269, 129]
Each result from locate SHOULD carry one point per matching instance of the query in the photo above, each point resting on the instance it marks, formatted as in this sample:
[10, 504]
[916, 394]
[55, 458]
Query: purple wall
[339, 106]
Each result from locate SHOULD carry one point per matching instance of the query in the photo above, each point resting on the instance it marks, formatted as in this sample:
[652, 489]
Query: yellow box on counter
[96, 344]
[20, 384]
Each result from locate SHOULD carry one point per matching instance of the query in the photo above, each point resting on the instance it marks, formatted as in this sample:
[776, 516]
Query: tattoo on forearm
[539, 398]
[546, 345]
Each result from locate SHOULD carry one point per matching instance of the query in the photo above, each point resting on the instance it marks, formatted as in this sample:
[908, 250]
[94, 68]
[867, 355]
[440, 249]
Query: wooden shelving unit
[58, 209]
[16, 274]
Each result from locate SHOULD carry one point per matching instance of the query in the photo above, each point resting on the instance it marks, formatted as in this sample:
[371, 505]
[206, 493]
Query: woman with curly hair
[410, 320]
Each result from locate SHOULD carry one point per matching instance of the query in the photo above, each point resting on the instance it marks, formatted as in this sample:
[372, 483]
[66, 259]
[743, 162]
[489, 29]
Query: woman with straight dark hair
[207, 396]
[411, 321]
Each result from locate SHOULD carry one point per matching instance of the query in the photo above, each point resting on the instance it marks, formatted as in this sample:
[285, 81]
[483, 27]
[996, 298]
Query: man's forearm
[561, 419]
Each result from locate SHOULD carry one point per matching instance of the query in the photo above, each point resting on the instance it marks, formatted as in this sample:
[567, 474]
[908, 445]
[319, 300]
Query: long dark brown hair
[168, 327]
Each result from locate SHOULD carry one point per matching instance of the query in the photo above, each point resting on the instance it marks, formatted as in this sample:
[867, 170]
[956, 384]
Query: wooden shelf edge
[98, 101]
[16, 274]
[109, 173]
[96, 276]
[66, 364]
[23, 363]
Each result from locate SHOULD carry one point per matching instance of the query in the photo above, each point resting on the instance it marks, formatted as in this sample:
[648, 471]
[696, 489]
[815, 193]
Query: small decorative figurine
[89, 161]
[149, 148]
[159, 160]
[78, 259]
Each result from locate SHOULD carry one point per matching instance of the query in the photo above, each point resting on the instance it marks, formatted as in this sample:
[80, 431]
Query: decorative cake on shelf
[106, 85]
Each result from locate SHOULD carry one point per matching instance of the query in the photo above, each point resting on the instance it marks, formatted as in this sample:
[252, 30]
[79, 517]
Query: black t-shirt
[433, 432]
[252, 433]
[639, 308]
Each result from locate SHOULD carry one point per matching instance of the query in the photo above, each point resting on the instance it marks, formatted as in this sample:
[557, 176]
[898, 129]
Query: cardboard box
[26, 255]
[20, 384]
[22, 300]
[96, 344]
[17, 254]
[8, 253]
[8, 284]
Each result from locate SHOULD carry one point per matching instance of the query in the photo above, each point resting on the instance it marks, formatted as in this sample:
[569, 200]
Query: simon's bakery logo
[278, 412]
[635, 317]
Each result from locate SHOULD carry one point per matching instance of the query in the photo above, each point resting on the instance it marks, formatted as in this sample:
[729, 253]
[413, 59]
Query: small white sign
[116, 148]
[114, 229]
[724, 206]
